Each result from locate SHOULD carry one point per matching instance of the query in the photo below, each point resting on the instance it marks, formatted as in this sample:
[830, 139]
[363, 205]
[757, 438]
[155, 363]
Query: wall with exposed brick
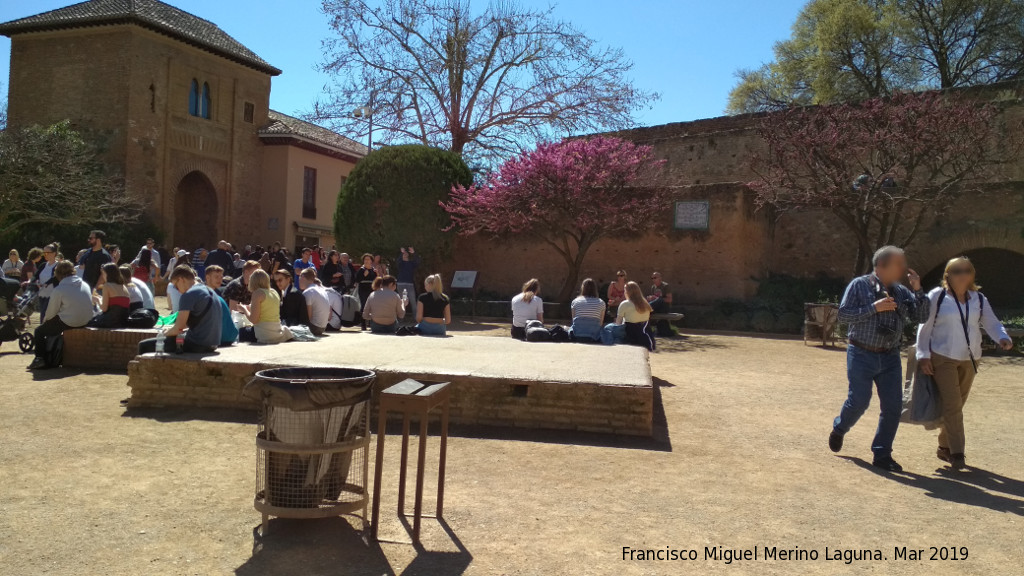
[188, 381]
[101, 349]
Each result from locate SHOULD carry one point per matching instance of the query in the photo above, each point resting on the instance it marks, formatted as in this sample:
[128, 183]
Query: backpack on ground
[54, 355]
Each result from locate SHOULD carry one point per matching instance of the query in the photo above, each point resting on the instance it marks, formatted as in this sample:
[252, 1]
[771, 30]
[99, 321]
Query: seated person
[215, 278]
[318, 303]
[526, 306]
[139, 296]
[384, 308]
[199, 316]
[237, 291]
[115, 302]
[434, 311]
[228, 330]
[293, 306]
[660, 298]
[634, 315]
[70, 307]
[587, 314]
[264, 312]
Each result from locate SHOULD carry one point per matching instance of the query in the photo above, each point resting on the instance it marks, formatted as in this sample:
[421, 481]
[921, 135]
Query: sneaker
[37, 364]
[957, 462]
[943, 454]
[887, 464]
[835, 441]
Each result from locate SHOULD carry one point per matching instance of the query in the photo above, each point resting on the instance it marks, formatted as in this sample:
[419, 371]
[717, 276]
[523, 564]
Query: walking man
[876, 307]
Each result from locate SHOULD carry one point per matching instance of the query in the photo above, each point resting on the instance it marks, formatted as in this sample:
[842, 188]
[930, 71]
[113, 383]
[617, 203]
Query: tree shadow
[331, 546]
[973, 486]
[688, 343]
[189, 414]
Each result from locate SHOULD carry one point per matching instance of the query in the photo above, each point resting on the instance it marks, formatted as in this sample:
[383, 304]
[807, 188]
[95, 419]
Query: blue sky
[687, 50]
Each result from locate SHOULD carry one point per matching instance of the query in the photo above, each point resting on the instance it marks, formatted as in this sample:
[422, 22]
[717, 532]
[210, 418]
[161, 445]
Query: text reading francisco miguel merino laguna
[774, 553]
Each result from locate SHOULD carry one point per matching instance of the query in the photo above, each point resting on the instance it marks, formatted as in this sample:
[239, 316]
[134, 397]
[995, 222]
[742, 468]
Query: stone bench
[103, 349]
[668, 316]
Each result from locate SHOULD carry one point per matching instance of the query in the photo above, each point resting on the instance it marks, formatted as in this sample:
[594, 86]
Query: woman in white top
[12, 266]
[949, 346]
[526, 306]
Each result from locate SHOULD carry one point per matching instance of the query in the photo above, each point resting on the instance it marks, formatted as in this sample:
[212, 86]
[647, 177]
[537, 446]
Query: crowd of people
[221, 296]
[627, 311]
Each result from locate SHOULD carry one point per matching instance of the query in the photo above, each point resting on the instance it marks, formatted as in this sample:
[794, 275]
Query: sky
[686, 50]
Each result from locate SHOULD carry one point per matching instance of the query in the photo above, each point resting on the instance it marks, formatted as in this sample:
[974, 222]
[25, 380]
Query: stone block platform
[102, 348]
[496, 381]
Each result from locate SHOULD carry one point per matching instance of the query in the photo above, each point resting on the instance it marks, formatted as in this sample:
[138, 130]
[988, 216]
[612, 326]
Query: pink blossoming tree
[567, 194]
[883, 167]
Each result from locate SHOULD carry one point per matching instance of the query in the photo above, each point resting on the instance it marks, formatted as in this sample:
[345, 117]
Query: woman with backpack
[949, 346]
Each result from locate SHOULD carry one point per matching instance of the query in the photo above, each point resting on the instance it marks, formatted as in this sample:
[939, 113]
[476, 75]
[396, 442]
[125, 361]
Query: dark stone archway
[195, 212]
[1000, 274]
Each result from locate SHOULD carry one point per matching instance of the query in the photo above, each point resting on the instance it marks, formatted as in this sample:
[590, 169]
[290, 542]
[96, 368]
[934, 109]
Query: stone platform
[496, 381]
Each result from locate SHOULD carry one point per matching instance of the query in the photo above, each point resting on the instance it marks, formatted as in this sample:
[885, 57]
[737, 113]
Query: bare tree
[483, 83]
[53, 176]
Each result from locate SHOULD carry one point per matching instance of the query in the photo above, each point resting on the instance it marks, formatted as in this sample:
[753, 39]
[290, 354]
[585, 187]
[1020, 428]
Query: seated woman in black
[434, 312]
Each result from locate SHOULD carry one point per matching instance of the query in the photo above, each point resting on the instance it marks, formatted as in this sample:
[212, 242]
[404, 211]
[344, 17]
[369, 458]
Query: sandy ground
[739, 461]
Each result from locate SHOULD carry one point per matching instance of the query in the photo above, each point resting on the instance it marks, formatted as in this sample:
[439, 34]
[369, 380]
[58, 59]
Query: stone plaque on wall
[692, 215]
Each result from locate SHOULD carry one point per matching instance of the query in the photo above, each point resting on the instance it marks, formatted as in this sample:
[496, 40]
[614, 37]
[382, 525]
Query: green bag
[168, 320]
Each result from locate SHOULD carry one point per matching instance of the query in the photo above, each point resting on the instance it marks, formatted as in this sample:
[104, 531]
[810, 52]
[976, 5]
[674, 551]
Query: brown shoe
[943, 454]
[957, 462]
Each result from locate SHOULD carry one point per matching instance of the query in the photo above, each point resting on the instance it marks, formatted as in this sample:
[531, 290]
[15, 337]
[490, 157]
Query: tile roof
[285, 126]
[151, 14]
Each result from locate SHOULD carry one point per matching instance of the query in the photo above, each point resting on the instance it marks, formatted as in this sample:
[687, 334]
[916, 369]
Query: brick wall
[101, 349]
[188, 381]
[709, 160]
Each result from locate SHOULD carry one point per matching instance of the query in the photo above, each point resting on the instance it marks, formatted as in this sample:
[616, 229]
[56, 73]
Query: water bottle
[161, 341]
[405, 297]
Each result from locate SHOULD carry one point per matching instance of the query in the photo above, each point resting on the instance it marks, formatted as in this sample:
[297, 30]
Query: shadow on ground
[331, 546]
[973, 486]
[689, 343]
[186, 414]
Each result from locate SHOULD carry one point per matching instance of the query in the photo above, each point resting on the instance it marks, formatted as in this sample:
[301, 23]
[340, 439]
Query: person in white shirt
[70, 307]
[44, 275]
[155, 256]
[526, 306]
[318, 303]
[949, 346]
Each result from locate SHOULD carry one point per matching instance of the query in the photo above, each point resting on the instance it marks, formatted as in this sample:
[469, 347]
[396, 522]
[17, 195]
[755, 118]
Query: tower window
[248, 112]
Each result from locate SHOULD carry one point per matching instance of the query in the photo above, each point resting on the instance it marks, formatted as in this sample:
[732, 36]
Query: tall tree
[484, 83]
[881, 166]
[53, 176]
[845, 50]
[567, 194]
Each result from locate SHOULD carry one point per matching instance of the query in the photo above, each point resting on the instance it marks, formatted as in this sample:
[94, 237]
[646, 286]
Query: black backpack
[54, 355]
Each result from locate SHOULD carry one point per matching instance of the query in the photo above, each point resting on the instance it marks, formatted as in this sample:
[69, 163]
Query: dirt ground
[739, 461]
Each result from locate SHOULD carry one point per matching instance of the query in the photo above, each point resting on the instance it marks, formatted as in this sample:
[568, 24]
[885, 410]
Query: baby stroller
[12, 327]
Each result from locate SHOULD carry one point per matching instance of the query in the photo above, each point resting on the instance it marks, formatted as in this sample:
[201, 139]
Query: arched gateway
[195, 212]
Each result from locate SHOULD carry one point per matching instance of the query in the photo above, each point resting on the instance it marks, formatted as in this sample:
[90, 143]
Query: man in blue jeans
[876, 307]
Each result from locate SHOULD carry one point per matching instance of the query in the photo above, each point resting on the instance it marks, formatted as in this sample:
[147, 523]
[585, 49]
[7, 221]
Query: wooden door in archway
[195, 212]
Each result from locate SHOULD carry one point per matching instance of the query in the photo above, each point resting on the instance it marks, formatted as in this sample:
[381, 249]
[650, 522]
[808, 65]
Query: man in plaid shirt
[876, 307]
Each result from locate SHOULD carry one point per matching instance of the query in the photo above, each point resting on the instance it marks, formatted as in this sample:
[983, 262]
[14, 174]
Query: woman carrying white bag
[949, 346]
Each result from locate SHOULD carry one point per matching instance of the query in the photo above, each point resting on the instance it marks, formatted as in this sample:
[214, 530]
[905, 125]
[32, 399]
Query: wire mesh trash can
[312, 442]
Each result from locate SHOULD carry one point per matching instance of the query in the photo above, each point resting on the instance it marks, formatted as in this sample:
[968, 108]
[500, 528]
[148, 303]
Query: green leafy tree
[392, 199]
[53, 177]
[844, 50]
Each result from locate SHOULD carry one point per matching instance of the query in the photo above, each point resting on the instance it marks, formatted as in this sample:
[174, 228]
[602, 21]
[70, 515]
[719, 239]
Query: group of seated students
[632, 318]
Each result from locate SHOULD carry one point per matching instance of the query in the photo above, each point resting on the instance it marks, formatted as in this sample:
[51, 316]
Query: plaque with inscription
[692, 215]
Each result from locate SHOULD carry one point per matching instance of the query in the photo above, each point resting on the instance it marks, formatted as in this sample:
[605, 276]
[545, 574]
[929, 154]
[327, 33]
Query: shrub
[391, 199]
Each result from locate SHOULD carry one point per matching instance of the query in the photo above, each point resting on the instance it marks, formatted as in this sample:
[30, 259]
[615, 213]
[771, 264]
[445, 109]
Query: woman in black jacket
[331, 274]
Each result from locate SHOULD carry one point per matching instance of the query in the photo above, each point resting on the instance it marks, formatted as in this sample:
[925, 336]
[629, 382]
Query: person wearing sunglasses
[949, 346]
[876, 307]
[617, 291]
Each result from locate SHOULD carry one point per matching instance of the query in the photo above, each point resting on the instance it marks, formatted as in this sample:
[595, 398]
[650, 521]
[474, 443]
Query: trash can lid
[303, 389]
